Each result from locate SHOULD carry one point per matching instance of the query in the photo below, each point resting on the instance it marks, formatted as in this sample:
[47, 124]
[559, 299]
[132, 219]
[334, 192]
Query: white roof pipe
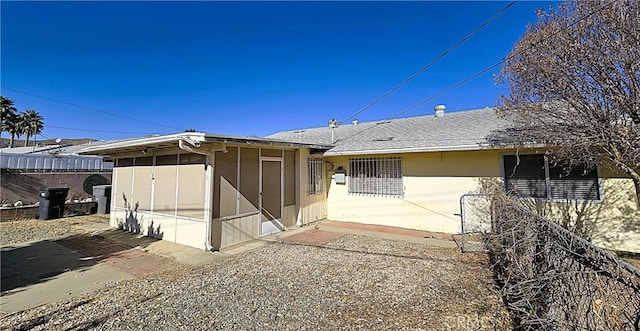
[208, 215]
[196, 144]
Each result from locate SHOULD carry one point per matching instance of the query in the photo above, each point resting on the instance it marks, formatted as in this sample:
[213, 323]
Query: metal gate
[475, 222]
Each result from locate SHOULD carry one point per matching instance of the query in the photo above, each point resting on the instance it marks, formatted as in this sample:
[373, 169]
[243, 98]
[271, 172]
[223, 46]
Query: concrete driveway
[39, 272]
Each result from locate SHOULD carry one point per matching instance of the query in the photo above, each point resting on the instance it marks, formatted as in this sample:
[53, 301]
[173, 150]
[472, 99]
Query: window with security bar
[316, 177]
[379, 176]
[533, 176]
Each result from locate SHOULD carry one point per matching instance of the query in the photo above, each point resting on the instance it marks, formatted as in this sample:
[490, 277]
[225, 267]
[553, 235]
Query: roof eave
[140, 143]
[265, 141]
[174, 139]
[458, 148]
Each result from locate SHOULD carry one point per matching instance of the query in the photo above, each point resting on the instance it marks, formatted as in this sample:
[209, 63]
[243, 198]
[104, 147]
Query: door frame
[278, 223]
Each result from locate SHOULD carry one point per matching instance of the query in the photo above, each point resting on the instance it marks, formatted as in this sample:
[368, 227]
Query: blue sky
[245, 68]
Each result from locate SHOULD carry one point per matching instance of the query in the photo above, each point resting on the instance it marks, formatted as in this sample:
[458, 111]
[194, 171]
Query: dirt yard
[341, 281]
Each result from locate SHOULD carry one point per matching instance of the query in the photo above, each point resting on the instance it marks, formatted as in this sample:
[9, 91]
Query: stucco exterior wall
[621, 230]
[434, 183]
[612, 223]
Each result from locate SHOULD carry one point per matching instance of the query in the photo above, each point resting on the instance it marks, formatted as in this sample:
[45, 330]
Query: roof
[79, 149]
[462, 130]
[191, 138]
[28, 149]
[56, 149]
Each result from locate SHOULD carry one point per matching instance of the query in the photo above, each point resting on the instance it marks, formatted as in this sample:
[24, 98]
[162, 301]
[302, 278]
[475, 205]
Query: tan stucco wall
[434, 183]
[613, 223]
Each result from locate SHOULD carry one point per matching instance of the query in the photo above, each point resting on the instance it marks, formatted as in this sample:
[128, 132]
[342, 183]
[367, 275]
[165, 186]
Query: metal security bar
[380, 176]
[315, 176]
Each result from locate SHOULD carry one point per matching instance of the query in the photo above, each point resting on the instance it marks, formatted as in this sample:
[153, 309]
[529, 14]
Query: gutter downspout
[195, 148]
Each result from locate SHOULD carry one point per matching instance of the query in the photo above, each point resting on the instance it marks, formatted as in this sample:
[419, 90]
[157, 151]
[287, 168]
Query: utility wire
[88, 108]
[101, 131]
[466, 80]
[440, 57]
[43, 136]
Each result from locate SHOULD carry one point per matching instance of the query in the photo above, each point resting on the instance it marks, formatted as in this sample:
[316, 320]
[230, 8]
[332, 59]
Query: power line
[88, 108]
[466, 80]
[101, 131]
[440, 57]
[43, 136]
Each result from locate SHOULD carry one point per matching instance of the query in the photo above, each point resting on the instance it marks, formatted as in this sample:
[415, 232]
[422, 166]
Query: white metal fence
[476, 221]
[44, 163]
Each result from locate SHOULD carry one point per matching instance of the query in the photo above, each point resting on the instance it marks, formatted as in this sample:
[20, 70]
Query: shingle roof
[463, 130]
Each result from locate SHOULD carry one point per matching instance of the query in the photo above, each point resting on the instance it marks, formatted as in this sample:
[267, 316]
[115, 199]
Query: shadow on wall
[611, 222]
[154, 233]
[131, 222]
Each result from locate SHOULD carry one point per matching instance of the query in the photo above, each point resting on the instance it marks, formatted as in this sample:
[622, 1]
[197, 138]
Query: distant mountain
[4, 142]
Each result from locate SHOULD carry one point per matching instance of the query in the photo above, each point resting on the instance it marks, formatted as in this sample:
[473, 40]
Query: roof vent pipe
[355, 122]
[439, 109]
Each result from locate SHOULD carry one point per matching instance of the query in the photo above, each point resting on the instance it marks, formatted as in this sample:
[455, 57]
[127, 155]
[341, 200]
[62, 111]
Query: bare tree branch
[574, 82]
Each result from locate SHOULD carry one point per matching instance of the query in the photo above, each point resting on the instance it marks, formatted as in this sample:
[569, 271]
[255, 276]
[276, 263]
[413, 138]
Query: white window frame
[548, 185]
[376, 176]
[315, 185]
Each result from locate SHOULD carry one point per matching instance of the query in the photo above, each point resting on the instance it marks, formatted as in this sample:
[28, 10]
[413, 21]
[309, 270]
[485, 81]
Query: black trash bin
[103, 197]
[52, 202]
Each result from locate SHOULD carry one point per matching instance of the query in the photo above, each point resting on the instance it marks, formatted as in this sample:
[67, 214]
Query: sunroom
[213, 191]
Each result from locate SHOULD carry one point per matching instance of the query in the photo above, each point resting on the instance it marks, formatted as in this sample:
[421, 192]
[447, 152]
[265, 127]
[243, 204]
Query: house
[212, 191]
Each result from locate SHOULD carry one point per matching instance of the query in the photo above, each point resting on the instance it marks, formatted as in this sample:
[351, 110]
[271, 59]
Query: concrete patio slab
[179, 253]
[36, 273]
[313, 237]
[40, 272]
[389, 232]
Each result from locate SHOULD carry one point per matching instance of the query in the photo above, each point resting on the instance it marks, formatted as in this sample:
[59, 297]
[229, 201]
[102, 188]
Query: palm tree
[7, 112]
[30, 124]
[11, 124]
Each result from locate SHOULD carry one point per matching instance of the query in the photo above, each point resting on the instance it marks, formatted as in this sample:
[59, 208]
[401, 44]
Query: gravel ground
[15, 232]
[354, 282]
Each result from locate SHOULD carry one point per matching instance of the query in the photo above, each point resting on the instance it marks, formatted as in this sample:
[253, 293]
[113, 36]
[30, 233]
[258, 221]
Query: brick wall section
[32, 212]
[25, 186]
